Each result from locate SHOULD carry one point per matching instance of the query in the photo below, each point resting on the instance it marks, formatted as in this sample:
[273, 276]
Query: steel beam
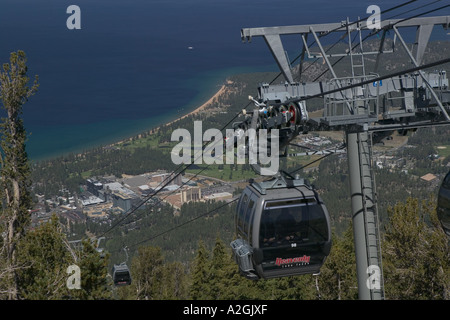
[325, 28]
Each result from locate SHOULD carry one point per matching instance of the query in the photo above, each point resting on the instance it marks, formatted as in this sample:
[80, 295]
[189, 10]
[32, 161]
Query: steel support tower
[361, 103]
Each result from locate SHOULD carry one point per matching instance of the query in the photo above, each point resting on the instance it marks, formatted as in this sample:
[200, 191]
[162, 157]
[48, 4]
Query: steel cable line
[376, 32]
[154, 194]
[347, 24]
[348, 87]
[362, 83]
[351, 23]
[221, 206]
[169, 194]
[226, 204]
[147, 199]
[167, 182]
[184, 223]
[373, 33]
[391, 75]
[173, 178]
[319, 159]
[411, 10]
[162, 199]
[217, 208]
[328, 92]
[421, 14]
[161, 187]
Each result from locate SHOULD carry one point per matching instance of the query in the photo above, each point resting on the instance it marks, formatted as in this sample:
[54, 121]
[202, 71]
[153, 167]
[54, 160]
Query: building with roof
[167, 178]
[93, 186]
[121, 200]
[90, 200]
[118, 187]
[429, 177]
[219, 196]
[191, 194]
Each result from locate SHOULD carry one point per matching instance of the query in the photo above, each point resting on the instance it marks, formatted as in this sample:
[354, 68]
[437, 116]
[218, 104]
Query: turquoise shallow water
[130, 68]
[55, 140]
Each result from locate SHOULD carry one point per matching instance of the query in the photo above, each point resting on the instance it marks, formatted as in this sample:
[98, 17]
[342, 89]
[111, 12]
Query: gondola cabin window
[248, 218]
[241, 214]
[288, 221]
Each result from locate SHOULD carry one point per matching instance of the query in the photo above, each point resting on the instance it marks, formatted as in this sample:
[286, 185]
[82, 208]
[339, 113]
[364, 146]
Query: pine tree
[415, 253]
[15, 170]
[218, 281]
[337, 279]
[200, 287]
[175, 282]
[95, 283]
[44, 258]
[147, 273]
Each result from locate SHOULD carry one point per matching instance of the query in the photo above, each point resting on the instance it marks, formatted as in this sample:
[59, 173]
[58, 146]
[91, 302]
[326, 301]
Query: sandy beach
[221, 91]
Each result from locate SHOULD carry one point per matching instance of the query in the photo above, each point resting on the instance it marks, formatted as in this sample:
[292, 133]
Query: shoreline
[222, 90]
[201, 108]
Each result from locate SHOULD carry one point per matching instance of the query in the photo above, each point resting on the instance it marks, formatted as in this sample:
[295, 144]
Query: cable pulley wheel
[295, 114]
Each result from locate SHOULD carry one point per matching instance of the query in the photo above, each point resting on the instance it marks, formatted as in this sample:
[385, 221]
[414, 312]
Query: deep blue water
[129, 67]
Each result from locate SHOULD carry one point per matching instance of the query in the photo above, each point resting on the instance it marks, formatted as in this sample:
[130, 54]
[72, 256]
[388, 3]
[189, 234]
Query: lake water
[136, 64]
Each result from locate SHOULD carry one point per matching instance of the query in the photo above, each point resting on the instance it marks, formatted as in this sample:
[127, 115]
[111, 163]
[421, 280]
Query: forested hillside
[185, 253]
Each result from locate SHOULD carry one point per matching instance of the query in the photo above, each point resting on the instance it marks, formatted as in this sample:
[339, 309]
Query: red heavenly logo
[281, 261]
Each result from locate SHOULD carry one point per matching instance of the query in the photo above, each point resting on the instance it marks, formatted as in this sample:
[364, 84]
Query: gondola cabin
[121, 275]
[443, 207]
[283, 229]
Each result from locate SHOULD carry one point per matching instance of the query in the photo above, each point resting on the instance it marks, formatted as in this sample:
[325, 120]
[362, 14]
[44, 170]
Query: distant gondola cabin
[121, 275]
